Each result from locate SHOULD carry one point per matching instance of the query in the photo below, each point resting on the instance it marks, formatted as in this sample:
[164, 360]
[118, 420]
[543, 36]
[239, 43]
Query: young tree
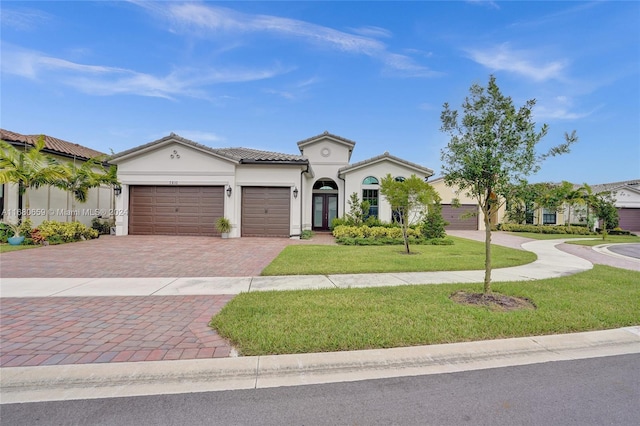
[604, 207]
[492, 147]
[407, 197]
[30, 168]
[358, 210]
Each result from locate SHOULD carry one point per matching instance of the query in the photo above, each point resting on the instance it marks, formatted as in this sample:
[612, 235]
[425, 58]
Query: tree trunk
[487, 252]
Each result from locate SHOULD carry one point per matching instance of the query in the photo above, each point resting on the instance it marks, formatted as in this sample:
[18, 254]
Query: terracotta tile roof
[52, 145]
[255, 155]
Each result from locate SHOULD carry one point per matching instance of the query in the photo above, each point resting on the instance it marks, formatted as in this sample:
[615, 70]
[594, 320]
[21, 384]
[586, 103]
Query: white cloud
[104, 80]
[204, 19]
[23, 19]
[559, 108]
[504, 58]
[371, 31]
[487, 3]
[198, 135]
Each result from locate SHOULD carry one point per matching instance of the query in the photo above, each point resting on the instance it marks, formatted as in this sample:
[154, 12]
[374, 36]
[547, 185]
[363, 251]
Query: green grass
[323, 259]
[4, 248]
[611, 239]
[588, 240]
[540, 236]
[307, 321]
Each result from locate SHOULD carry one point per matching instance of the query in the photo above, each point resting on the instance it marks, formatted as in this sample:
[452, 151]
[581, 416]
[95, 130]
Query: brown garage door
[175, 210]
[629, 219]
[461, 217]
[266, 211]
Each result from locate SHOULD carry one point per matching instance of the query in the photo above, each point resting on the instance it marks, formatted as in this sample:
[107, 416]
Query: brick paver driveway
[145, 256]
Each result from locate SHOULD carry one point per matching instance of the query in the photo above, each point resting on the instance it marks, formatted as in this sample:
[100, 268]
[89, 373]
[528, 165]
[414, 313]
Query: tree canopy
[407, 197]
[492, 148]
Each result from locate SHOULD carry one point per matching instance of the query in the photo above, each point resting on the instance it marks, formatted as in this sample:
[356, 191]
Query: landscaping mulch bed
[493, 301]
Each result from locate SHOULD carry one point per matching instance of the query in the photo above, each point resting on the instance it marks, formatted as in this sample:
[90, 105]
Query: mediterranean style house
[47, 202]
[174, 186]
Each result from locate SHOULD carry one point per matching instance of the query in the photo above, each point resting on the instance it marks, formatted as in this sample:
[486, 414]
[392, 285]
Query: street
[592, 391]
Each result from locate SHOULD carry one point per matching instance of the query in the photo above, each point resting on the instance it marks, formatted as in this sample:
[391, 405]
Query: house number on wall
[173, 182]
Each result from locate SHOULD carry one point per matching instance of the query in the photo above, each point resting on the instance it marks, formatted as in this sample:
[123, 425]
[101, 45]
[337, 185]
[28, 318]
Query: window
[325, 185]
[371, 195]
[399, 178]
[548, 217]
[370, 180]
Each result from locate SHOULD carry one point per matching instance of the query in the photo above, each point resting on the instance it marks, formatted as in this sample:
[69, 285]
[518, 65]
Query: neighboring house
[174, 186]
[461, 211]
[49, 203]
[627, 200]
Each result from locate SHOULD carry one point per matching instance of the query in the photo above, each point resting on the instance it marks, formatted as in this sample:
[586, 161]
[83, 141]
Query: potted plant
[223, 225]
[16, 239]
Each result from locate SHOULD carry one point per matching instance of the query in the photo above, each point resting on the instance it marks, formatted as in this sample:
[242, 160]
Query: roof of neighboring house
[386, 156]
[603, 187]
[240, 155]
[51, 145]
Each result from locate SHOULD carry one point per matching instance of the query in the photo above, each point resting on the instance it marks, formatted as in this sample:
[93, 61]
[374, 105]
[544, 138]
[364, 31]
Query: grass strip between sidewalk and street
[305, 321]
[463, 255]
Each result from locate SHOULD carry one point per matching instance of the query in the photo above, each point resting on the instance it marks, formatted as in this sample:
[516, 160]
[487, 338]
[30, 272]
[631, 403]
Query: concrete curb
[89, 381]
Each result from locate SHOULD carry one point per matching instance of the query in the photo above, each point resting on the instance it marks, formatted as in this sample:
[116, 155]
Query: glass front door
[325, 209]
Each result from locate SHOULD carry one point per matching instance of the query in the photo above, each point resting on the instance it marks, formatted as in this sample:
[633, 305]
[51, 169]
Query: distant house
[48, 203]
[627, 201]
[174, 186]
[461, 211]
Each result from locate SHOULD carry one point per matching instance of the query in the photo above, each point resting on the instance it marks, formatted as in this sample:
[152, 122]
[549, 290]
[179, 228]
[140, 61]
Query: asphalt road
[631, 250]
[593, 391]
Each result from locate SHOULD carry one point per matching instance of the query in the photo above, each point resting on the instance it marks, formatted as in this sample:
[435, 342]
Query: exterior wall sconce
[295, 192]
[229, 190]
[117, 190]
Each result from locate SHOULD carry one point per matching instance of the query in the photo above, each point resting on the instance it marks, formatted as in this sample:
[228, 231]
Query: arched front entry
[325, 203]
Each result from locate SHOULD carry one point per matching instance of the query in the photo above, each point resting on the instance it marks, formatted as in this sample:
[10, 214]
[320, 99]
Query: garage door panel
[460, 218]
[266, 211]
[175, 210]
[629, 219]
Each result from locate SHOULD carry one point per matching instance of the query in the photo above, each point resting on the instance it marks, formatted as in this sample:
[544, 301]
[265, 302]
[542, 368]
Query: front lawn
[610, 239]
[323, 259]
[587, 240]
[281, 322]
[4, 248]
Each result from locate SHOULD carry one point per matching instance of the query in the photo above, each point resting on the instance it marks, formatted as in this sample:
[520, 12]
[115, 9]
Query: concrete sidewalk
[551, 263]
[88, 381]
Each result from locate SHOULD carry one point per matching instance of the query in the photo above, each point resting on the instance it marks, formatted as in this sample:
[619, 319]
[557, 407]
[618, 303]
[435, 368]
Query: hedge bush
[64, 232]
[546, 229]
[382, 235]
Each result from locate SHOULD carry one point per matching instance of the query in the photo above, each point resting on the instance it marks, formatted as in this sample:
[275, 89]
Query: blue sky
[265, 75]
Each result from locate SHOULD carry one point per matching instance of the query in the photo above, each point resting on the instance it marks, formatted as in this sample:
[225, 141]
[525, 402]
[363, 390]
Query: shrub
[103, 226]
[546, 229]
[67, 232]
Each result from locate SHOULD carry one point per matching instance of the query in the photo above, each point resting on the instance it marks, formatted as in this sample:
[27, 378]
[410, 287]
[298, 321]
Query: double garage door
[193, 210]
[175, 210]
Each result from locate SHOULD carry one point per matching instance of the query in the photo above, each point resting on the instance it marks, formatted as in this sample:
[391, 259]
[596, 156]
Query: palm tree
[79, 180]
[30, 168]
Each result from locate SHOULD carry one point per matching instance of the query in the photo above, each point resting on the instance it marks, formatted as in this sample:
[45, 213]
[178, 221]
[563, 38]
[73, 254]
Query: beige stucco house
[175, 186]
[460, 210]
[49, 203]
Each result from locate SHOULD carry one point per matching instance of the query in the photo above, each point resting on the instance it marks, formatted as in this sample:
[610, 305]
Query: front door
[325, 209]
